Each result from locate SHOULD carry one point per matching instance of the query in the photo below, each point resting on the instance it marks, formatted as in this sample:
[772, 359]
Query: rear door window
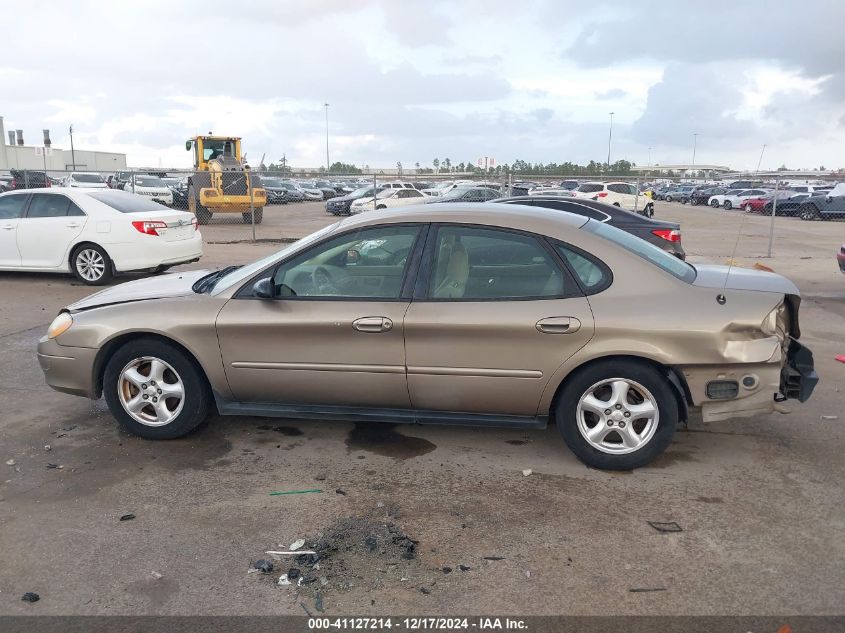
[45, 205]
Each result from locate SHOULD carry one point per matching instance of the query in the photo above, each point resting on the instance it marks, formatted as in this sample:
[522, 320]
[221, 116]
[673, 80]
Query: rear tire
[259, 215]
[170, 416]
[91, 265]
[617, 441]
[808, 212]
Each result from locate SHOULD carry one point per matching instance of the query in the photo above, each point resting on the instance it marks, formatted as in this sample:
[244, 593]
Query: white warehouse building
[14, 155]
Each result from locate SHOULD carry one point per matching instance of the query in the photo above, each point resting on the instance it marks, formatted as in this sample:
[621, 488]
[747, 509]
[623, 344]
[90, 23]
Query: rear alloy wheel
[91, 265]
[808, 212]
[259, 215]
[714, 204]
[728, 205]
[617, 415]
[154, 390]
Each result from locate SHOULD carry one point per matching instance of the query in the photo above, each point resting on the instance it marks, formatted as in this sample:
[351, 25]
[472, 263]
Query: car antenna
[721, 299]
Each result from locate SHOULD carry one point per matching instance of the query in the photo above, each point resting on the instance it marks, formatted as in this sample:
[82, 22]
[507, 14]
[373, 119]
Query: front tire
[155, 390]
[92, 265]
[714, 204]
[617, 415]
[808, 212]
[728, 205]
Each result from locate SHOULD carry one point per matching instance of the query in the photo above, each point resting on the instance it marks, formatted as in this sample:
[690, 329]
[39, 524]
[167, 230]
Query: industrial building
[15, 155]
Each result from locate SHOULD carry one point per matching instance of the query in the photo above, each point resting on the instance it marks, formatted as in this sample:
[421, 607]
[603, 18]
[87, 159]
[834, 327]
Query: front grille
[234, 184]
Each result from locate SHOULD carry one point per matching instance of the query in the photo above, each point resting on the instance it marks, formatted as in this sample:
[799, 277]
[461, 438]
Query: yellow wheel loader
[222, 182]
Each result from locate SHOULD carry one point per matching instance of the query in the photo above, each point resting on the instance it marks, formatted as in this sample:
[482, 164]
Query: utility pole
[72, 153]
[609, 139]
[284, 163]
[649, 157]
[326, 105]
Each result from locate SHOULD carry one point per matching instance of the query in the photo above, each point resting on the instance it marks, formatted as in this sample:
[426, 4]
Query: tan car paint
[466, 356]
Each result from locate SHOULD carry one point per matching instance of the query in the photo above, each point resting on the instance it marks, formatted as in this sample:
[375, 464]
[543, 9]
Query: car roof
[532, 219]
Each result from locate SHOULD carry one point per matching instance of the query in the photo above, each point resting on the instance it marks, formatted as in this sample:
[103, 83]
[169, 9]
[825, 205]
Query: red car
[755, 205]
[840, 257]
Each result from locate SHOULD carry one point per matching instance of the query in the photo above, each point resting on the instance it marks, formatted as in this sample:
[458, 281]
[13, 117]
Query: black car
[702, 194]
[666, 235]
[28, 179]
[340, 205]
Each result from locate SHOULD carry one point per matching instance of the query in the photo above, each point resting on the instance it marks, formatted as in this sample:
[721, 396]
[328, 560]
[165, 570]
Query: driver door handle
[558, 325]
[373, 324]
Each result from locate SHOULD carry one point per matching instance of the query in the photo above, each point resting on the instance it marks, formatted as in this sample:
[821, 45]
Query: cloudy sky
[412, 80]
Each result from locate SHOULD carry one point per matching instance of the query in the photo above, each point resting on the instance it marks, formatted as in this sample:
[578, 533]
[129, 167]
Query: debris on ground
[127, 517]
[526, 472]
[320, 477]
[759, 266]
[156, 575]
[494, 558]
[304, 608]
[294, 492]
[340, 492]
[646, 589]
[840, 358]
[55, 466]
[47, 447]
[263, 565]
[30, 596]
[363, 552]
[446, 570]
[425, 590]
[829, 417]
[10, 462]
[464, 567]
[665, 527]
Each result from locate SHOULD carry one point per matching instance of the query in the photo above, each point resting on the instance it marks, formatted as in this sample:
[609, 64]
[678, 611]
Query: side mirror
[829, 199]
[263, 288]
[188, 145]
[352, 256]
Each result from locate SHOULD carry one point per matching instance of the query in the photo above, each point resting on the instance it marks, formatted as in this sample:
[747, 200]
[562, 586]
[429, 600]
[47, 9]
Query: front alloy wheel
[151, 391]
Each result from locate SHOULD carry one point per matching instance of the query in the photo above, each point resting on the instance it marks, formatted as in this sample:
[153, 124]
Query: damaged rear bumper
[798, 376]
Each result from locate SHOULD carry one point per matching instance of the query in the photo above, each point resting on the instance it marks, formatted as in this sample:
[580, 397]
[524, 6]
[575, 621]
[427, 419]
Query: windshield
[362, 191]
[244, 272]
[272, 182]
[87, 177]
[148, 181]
[657, 256]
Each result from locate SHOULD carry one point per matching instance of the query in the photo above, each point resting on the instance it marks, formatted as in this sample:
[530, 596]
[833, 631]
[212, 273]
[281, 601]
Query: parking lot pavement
[759, 501]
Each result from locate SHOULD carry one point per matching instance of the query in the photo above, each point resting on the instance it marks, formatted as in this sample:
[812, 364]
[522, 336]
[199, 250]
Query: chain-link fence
[236, 204]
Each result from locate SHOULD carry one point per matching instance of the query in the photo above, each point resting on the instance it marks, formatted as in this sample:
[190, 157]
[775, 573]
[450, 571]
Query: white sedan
[734, 199]
[85, 181]
[388, 198]
[619, 194]
[93, 233]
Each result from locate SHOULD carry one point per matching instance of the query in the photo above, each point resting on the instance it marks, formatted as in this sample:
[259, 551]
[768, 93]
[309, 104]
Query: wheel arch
[85, 242]
[675, 377]
[108, 349]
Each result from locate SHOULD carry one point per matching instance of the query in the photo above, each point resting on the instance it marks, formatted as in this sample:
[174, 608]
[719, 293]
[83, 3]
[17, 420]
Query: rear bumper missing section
[798, 376]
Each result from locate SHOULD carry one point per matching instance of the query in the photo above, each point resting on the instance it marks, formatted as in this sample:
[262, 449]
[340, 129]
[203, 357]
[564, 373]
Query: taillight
[601, 194]
[14, 184]
[670, 235]
[48, 183]
[195, 224]
[148, 227]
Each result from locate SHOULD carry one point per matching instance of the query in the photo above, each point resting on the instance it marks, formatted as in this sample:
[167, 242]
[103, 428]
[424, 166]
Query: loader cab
[208, 148]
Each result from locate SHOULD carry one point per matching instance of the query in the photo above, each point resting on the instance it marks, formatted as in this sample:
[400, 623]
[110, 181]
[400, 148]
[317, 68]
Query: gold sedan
[487, 315]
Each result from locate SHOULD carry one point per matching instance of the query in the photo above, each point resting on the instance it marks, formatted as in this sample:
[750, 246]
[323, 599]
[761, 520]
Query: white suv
[619, 194]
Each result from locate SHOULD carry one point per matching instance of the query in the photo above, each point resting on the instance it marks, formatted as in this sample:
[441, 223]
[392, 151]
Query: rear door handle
[558, 325]
[72, 225]
[373, 324]
[8, 227]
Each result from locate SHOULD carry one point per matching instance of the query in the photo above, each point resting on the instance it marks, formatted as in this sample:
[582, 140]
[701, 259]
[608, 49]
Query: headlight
[60, 325]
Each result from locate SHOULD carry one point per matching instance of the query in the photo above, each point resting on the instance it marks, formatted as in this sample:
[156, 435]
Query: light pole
[326, 105]
[694, 146]
[609, 138]
[649, 157]
[72, 153]
[761, 158]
